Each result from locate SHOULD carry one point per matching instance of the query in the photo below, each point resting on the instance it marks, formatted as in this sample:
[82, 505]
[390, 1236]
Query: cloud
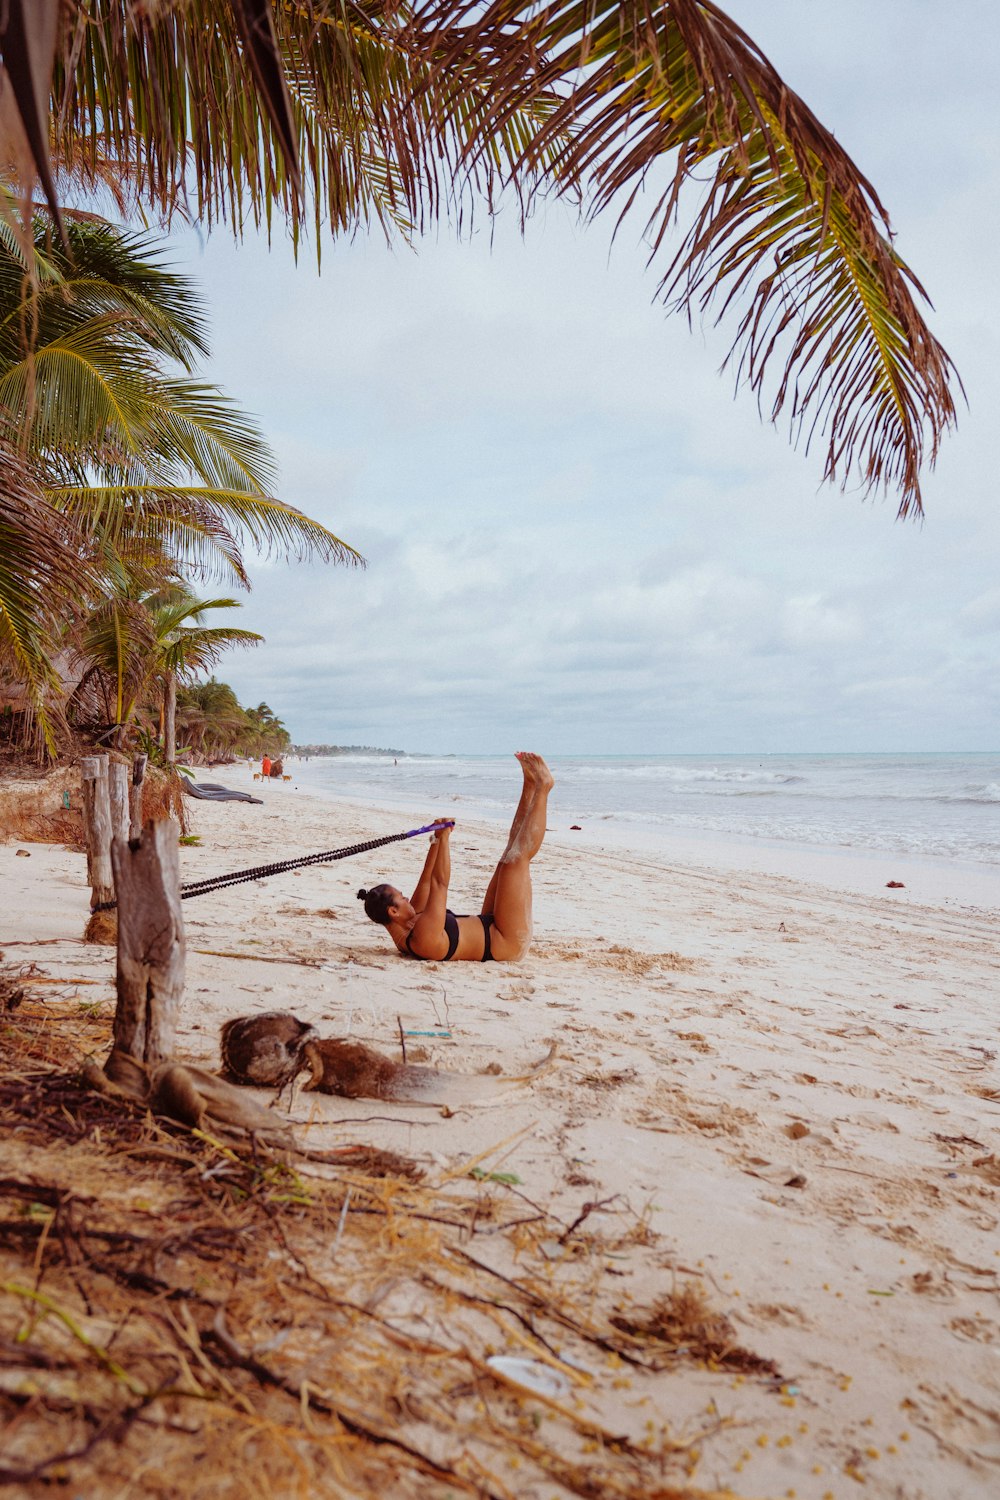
[575, 535]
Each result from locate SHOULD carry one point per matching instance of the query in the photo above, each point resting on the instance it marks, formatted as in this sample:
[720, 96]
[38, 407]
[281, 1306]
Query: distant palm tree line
[211, 725]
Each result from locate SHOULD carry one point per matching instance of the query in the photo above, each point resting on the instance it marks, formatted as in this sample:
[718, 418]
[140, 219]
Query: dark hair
[377, 902]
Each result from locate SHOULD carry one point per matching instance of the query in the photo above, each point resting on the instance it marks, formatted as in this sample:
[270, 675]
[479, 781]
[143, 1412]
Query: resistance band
[261, 872]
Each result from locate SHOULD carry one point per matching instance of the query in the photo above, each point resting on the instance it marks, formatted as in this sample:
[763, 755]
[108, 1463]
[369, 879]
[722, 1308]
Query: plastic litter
[530, 1374]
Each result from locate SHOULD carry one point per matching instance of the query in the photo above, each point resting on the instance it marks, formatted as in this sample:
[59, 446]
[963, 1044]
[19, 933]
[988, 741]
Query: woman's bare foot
[535, 770]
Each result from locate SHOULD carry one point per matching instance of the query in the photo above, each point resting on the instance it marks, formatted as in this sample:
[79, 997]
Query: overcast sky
[577, 539]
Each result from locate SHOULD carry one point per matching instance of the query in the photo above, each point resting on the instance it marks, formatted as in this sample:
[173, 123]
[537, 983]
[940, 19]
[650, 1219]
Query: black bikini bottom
[487, 953]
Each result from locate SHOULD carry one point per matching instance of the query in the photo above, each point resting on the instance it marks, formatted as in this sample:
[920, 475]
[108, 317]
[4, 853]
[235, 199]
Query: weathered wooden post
[97, 832]
[135, 797]
[118, 799]
[150, 942]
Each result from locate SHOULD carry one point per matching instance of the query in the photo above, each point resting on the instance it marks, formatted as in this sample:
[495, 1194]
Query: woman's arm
[423, 887]
[428, 929]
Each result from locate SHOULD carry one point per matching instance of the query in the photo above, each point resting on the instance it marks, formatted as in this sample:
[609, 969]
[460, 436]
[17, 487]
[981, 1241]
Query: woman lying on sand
[424, 928]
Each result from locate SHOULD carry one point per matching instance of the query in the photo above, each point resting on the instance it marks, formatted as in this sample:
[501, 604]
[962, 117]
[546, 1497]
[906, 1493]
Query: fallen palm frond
[170, 1306]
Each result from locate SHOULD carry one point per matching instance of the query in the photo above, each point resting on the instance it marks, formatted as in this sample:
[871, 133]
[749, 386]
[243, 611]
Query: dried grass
[684, 1323]
[177, 1317]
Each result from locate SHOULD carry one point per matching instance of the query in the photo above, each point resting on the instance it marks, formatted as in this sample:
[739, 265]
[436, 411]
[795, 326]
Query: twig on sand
[402, 1038]
[585, 1212]
[262, 958]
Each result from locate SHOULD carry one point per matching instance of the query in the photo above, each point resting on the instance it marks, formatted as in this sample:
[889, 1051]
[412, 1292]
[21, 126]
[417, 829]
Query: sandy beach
[782, 1086]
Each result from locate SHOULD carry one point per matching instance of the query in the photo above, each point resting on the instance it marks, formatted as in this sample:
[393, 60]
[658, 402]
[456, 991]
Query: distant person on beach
[423, 927]
[265, 767]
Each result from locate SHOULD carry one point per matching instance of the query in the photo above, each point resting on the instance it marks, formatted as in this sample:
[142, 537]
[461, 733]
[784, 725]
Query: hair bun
[362, 895]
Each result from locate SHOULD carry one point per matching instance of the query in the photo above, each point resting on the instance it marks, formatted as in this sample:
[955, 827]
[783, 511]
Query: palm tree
[268, 735]
[137, 471]
[211, 719]
[185, 649]
[117, 440]
[401, 113]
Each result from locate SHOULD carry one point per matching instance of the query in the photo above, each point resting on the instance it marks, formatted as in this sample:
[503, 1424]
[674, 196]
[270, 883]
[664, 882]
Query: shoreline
[932, 880]
[782, 1092]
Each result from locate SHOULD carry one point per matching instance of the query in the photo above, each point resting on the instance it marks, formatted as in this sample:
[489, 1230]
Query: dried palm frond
[41, 574]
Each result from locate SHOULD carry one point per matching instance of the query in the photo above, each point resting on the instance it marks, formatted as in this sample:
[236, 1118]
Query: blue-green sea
[943, 806]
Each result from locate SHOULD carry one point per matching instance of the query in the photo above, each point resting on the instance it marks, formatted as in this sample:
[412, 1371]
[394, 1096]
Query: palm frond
[210, 515]
[790, 239]
[403, 113]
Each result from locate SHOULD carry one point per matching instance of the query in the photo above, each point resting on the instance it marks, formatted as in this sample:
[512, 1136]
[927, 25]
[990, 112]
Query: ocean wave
[681, 774]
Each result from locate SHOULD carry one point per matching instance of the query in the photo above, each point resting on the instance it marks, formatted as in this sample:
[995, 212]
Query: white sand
[702, 1015]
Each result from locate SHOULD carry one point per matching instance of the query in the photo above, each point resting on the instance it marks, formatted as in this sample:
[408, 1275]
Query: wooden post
[150, 942]
[97, 827]
[135, 797]
[118, 798]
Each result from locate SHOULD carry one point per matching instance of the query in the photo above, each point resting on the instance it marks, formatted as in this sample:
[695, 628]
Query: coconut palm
[127, 449]
[138, 471]
[185, 649]
[210, 719]
[324, 110]
[267, 734]
[138, 643]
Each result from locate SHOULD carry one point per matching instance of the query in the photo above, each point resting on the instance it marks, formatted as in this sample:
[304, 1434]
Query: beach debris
[684, 1322]
[780, 1173]
[264, 1050]
[895, 885]
[530, 1375]
[189, 1095]
[11, 992]
[796, 1130]
[575, 828]
[358, 1072]
[22, 854]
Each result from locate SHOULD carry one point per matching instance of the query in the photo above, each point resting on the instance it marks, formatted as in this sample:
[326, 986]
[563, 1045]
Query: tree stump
[150, 942]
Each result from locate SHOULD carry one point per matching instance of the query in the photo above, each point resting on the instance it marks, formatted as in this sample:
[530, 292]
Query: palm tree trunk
[170, 719]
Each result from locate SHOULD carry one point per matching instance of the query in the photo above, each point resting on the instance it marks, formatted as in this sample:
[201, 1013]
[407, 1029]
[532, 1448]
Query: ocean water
[926, 806]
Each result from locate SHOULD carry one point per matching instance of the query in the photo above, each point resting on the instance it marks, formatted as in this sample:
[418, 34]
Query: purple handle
[430, 828]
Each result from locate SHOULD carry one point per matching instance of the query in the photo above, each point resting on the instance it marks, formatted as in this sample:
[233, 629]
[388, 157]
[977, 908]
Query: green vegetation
[214, 726]
[127, 478]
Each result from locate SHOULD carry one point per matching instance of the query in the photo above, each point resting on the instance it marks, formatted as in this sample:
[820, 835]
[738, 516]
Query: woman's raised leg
[525, 760]
[511, 885]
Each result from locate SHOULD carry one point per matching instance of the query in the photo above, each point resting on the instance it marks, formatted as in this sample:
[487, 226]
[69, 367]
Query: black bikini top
[451, 933]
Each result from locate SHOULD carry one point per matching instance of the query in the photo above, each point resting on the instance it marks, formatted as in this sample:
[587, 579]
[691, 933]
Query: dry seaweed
[171, 1306]
[684, 1323]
